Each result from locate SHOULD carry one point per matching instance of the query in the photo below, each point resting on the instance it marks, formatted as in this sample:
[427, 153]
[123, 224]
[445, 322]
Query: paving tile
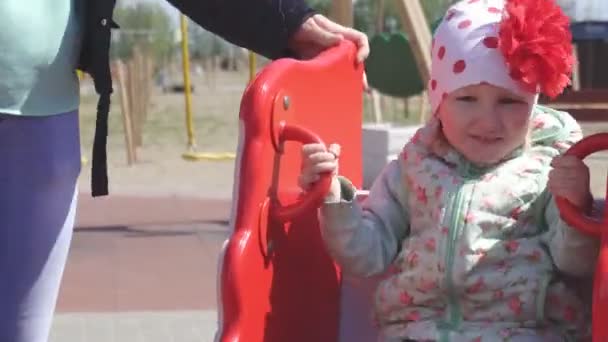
[165, 326]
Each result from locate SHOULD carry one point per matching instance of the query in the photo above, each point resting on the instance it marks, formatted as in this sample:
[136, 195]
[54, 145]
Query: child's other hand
[570, 179]
[317, 160]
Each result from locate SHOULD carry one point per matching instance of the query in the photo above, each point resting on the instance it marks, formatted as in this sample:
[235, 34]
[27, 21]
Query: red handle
[313, 198]
[571, 215]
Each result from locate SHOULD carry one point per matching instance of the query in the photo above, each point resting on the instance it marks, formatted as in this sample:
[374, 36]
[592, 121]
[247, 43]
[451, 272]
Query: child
[463, 224]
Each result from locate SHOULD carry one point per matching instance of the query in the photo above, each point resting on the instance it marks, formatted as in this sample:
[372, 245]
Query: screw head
[286, 102]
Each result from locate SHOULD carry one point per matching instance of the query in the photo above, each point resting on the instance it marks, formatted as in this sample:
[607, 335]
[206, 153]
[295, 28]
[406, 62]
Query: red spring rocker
[276, 281]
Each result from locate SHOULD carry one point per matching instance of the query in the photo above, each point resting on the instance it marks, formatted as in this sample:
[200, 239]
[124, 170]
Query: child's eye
[466, 98]
[509, 100]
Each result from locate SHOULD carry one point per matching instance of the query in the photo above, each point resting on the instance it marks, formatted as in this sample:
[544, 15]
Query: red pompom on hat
[536, 41]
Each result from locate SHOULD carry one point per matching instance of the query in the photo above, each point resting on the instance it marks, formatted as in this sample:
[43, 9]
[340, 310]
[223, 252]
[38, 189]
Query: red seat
[277, 283]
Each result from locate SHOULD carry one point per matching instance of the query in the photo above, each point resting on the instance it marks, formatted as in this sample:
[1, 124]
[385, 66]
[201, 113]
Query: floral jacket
[467, 253]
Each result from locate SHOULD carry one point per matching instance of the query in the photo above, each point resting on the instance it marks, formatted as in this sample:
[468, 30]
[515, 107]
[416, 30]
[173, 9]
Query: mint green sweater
[39, 47]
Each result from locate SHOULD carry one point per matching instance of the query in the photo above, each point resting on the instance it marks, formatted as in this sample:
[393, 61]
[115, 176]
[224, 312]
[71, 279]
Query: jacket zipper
[456, 221]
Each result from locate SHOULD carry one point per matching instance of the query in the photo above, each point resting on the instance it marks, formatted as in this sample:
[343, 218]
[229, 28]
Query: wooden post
[131, 98]
[147, 71]
[126, 114]
[576, 79]
[376, 110]
[417, 29]
[423, 107]
[375, 96]
[134, 85]
[418, 32]
[342, 12]
[379, 16]
[140, 88]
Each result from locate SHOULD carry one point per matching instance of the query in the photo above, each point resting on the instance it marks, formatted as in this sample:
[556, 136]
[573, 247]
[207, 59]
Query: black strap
[99, 168]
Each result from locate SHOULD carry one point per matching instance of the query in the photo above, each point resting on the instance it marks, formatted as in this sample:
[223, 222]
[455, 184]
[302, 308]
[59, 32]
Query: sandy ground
[160, 169]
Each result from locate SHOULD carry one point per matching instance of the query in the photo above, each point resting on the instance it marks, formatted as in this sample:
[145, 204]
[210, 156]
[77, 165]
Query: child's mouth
[486, 140]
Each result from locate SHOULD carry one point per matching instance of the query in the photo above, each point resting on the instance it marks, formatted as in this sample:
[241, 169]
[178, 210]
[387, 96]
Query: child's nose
[491, 122]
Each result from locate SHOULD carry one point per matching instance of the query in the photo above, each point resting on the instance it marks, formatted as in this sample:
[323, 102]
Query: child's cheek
[518, 123]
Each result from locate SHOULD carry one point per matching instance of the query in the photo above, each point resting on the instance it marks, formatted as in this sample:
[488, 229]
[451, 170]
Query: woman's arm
[263, 26]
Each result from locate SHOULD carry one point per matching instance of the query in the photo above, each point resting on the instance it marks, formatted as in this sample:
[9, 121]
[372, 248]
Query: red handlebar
[315, 196]
[571, 215]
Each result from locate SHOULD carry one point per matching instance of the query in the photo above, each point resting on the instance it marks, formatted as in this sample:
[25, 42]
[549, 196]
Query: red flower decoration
[536, 42]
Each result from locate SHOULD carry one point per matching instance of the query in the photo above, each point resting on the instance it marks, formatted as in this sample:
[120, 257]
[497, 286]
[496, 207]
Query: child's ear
[435, 139]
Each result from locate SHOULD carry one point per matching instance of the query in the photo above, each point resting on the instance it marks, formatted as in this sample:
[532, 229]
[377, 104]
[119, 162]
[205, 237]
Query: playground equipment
[399, 64]
[83, 158]
[276, 281]
[391, 67]
[573, 217]
[191, 154]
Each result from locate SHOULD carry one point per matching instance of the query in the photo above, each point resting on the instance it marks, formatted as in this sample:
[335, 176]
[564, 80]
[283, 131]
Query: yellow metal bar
[215, 156]
[186, 72]
[191, 154]
[252, 65]
[83, 159]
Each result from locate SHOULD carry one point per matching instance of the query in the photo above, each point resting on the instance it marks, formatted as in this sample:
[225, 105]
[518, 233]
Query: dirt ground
[160, 169]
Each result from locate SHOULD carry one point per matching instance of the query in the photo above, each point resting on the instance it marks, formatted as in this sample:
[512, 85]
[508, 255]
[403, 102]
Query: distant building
[585, 10]
[590, 33]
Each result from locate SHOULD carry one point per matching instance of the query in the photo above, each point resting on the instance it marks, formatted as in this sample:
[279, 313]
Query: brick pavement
[180, 326]
[130, 280]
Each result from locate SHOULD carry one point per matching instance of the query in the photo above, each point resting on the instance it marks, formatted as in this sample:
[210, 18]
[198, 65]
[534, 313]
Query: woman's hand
[319, 33]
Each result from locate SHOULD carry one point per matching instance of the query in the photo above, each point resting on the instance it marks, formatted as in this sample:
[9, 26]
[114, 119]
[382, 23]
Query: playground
[144, 261]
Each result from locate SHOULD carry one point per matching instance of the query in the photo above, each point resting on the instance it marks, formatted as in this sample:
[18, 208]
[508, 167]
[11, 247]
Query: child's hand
[570, 179]
[316, 160]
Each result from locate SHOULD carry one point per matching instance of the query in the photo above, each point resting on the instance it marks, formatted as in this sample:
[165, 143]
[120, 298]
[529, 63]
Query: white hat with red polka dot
[465, 50]
[522, 45]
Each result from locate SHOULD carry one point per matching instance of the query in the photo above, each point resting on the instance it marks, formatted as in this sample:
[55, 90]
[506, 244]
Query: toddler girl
[463, 225]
